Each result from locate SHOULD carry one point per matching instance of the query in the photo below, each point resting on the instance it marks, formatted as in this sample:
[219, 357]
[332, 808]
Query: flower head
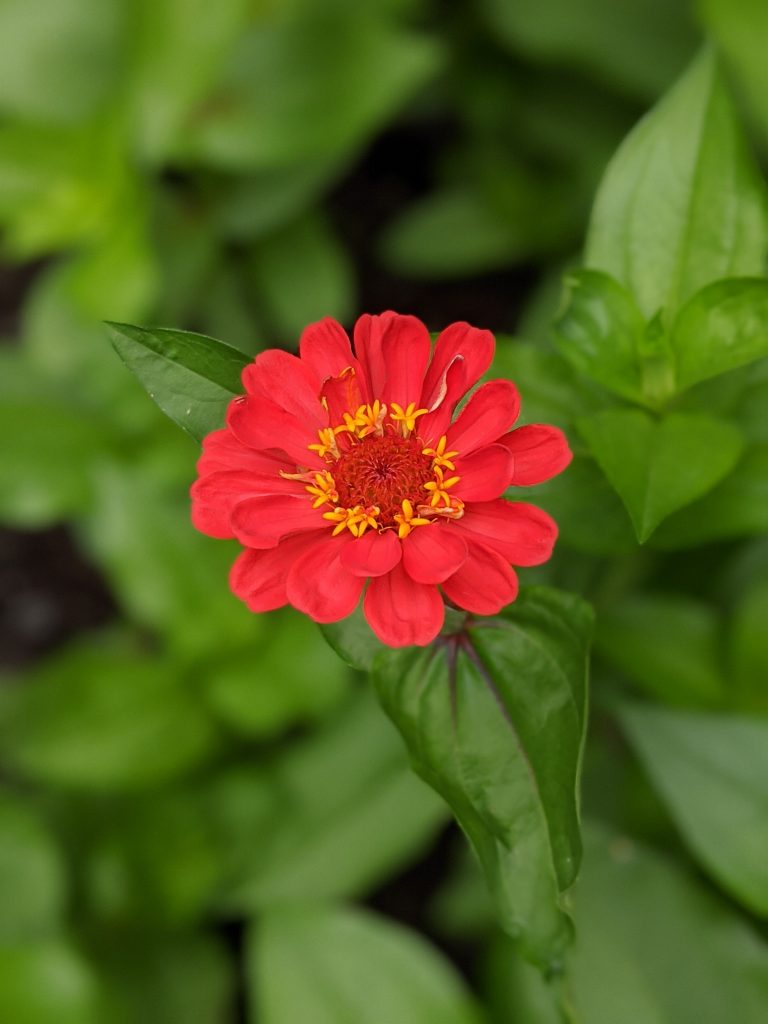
[346, 471]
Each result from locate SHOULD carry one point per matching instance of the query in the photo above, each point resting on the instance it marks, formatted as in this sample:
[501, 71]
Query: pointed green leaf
[660, 465]
[192, 378]
[494, 720]
[353, 640]
[722, 327]
[336, 965]
[600, 332]
[712, 771]
[681, 204]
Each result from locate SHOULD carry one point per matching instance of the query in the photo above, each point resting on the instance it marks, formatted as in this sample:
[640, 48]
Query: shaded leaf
[494, 720]
[658, 466]
[342, 966]
[712, 771]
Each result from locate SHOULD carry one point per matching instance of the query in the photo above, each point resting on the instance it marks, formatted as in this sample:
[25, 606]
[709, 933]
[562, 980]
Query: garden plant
[384, 492]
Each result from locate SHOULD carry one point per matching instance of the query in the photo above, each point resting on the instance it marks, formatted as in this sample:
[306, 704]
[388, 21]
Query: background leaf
[342, 966]
[721, 328]
[657, 466]
[683, 169]
[712, 772]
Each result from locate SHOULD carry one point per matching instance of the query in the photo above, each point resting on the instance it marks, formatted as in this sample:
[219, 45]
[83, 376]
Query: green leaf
[50, 449]
[737, 507]
[655, 947]
[454, 232]
[590, 517]
[682, 664]
[306, 251]
[711, 771]
[177, 53]
[347, 809]
[167, 979]
[550, 390]
[721, 328]
[659, 465]
[292, 678]
[333, 965]
[46, 983]
[354, 640]
[33, 879]
[600, 332]
[167, 577]
[612, 39]
[102, 717]
[192, 378]
[343, 72]
[681, 204]
[494, 720]
[749, 648]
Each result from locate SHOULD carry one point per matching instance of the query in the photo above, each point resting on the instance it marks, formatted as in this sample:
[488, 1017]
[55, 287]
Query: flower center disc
[383, 471]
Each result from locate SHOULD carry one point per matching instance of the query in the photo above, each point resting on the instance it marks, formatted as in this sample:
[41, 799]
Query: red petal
[260, 423]
[488, 414]
[212, 521]
[433, 553]
[540, 453]
[319, 585]
[521, 533]
[222, 451]
[261, 522]
[233, 485]
[369, 336]
[373, 554]
[436, 423]
[474, 349]
[286, 381]
[484, 475]
[258, 577]
[343, 394]
[406, 348]
[325, 349]
[401, 612]
[484, 584]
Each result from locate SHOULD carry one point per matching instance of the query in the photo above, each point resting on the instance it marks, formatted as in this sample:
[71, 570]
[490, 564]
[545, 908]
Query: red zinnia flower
[338, 468]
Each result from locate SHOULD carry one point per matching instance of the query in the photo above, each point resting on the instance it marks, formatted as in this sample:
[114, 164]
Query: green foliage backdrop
[206, 816]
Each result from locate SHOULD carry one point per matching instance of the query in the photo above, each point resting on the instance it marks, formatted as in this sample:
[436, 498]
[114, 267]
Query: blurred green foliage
[191, 794]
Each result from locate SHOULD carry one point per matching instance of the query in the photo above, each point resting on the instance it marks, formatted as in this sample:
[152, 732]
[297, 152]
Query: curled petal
[432, 554]
[485, 474]
[261, 522]
[484, 584]
[373, 554]
[468, 350]
[488, 414]
[521, 533]
[319, 584]
[215, 495]
[540, 453]
[401, 612]
[286, 381]
[325, 349]
[258, 577]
